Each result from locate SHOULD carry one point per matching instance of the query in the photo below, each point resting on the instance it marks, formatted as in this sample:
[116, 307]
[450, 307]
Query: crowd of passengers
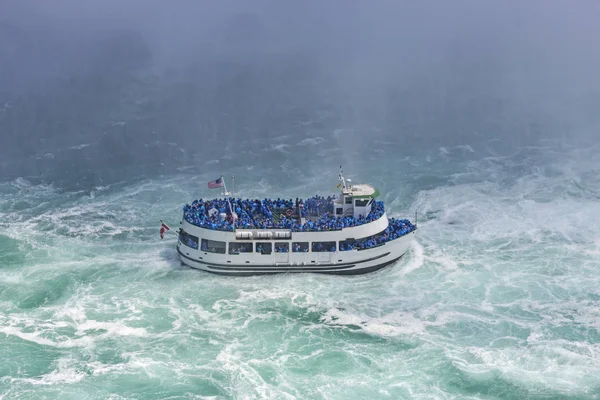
[396, 228]
[258, 214]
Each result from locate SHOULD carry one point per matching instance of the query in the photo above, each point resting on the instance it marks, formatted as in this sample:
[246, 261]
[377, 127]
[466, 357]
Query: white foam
[281, 148]
[544, 366]
[111, 328]
[81, 146]
[417, 258]
[311, 141]
[465, 147]
[247, 378]
[35, 337]
[65, 373]
[394, 324]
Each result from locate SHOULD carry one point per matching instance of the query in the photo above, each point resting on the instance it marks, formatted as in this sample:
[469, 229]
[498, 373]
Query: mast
[233, 185]
[233, 214]
[225, 192]
[342, 180]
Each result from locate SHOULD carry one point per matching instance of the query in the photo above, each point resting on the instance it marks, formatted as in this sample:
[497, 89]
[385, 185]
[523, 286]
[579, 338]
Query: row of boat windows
[216, 246]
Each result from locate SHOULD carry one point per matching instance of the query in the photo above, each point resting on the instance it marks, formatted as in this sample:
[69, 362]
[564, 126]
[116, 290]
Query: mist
[93, 92]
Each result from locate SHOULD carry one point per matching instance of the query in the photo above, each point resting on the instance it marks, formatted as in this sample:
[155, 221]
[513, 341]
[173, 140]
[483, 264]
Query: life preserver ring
[289, 212]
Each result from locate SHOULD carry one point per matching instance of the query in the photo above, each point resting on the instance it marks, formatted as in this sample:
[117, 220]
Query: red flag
[163, 229]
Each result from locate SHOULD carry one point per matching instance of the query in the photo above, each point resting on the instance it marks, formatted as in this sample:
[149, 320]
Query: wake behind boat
[345, 234]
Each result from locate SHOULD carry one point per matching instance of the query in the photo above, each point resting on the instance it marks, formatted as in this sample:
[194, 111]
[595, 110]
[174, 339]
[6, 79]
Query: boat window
[300, 247]
[213, 246]
[188, 240]
[348, 200]
[361, 203]
[348, 244]
[237, 248]
[264, 247]
[282, 247]
[323, 246]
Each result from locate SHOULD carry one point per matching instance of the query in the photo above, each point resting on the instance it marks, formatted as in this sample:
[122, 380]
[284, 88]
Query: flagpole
[233, 184]
[224, 186]
[227, 197]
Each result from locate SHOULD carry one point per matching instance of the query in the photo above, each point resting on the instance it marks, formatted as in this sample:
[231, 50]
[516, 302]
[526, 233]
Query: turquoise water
[499, 296]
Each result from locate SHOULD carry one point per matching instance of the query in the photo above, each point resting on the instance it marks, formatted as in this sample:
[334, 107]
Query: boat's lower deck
[339, 262]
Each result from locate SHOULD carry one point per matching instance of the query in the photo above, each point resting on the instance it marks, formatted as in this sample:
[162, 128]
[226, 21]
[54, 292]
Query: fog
[91, 89]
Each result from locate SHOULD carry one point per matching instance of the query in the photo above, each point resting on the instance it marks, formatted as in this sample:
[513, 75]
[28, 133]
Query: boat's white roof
[361, 190]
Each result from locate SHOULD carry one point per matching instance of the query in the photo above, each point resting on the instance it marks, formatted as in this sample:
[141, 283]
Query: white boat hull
[352, 262]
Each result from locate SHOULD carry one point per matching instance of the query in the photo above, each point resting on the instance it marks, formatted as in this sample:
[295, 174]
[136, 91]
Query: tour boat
[349, 233]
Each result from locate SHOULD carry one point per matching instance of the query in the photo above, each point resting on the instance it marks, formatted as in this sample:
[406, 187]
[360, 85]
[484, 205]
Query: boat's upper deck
[313, 214]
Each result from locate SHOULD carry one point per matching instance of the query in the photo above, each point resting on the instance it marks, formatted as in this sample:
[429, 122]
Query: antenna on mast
[342, 180]
[233, 185]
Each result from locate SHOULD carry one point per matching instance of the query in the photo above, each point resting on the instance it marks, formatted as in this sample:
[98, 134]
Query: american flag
[216, 183]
